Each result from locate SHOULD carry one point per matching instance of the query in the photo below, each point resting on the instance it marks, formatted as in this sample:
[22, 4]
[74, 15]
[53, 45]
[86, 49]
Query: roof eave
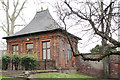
[42, 32]
[64, 31]
[28, 34]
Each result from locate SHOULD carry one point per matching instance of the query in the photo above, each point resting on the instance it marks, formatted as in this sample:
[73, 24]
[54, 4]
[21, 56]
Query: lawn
[7, 78]
[60, 75]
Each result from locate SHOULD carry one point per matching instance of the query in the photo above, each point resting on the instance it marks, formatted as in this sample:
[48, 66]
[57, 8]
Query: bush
[29, 62]
[5, 62]
[16, 61]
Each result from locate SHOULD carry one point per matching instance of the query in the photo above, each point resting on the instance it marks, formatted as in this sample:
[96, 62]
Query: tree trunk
[106, 63]
[106, 67]
[12, 27]
[7, 18]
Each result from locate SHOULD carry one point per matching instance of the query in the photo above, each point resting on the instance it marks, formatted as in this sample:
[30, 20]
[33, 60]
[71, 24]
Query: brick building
[44, 37]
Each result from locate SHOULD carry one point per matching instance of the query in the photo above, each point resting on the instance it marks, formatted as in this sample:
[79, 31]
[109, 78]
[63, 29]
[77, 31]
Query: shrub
[29, 62]
[5, 62]
[16, 61]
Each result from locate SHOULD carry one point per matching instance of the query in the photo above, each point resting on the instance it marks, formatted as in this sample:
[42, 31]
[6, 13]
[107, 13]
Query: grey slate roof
[42, 22]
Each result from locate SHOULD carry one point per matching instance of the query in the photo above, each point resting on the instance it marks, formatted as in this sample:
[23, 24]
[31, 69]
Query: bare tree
[12, 13]
[101, 18]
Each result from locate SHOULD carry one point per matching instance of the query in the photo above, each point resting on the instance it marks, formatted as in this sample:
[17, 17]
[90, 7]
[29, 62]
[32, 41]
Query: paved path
[33, 77]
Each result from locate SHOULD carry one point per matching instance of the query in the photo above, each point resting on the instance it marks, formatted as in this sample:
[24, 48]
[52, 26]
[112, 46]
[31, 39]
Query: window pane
[69, 52]
[48, 44]
[44, 54]
[70, 55]
[46, 49]
[44, 45]
[16, 53]
[13, 53]
[48, 53]
[16, 47]
[29, 46]
[69, 47]
[13, 48]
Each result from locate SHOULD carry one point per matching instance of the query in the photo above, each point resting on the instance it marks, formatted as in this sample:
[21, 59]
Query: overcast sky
[32, 6]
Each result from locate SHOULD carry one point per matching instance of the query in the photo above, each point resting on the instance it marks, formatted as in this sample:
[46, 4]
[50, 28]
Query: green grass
[57, 76]
[61, 75]
[7, 78]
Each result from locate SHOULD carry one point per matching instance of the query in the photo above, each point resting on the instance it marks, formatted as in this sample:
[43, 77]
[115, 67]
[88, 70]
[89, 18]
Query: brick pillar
[114, 66]
[119, 67]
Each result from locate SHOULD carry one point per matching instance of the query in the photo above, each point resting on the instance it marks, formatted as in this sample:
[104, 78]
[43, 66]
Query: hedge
[28, 62]
[5, 62]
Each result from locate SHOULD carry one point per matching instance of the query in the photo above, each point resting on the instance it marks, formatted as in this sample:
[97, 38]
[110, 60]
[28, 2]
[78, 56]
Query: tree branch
[74, 12]
[100, 33]
[110, 39]
[99, 58]
[3, 29]
[20, 9]
[13, 14]
[3, 3]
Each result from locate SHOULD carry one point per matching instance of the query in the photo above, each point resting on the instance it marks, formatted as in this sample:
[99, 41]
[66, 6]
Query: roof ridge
[42, 11]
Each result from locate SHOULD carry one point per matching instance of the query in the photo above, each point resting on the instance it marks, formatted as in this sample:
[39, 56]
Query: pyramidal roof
[42, 21]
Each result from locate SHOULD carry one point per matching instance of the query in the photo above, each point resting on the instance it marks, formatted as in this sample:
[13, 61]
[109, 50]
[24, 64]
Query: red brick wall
[89, 68]
[63, 51]
[114, 66]
[50, 64]
[95, 69]
[58, 46]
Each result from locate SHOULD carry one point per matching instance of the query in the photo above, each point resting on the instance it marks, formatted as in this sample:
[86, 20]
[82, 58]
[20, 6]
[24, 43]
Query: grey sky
[30, 11]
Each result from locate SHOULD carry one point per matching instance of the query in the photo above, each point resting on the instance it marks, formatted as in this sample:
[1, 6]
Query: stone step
[11, 73]
[21, 73]
[43, 71]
